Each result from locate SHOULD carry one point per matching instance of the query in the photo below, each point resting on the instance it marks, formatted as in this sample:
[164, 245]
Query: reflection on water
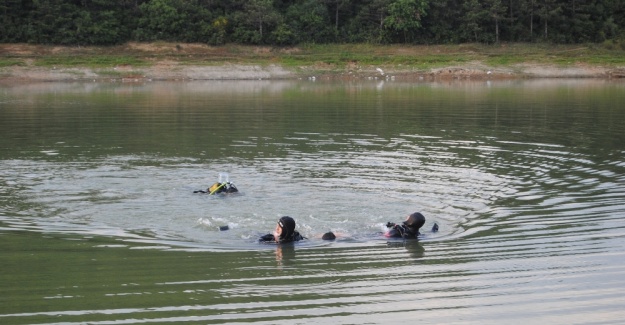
[99, 223]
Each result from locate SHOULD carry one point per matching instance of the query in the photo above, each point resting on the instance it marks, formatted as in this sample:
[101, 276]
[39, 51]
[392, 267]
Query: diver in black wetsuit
[224, 187]
[408, 228]
[284, 232]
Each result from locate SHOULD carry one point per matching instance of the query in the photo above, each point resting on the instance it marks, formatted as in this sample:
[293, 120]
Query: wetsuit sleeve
[231, 188]
[407, 234]
[392, 233]
[266, 238]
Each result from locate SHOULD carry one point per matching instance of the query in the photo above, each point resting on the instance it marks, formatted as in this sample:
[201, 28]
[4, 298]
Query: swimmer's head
[415, 221]
[287, 227]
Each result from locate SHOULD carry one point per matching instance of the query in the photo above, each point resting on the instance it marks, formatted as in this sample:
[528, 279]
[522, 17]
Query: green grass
[8, 62]
[92, 61]
[327, 57]
[341, 56]
[436, 56]
[562, 55]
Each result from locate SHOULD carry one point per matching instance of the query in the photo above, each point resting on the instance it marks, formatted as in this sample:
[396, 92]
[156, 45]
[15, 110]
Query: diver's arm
[267, 238]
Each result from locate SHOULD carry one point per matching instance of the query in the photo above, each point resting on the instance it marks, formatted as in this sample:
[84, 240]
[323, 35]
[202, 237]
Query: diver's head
[415, 221]
[287, 227]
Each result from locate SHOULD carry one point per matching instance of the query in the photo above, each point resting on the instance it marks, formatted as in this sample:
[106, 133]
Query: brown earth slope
[167, 61]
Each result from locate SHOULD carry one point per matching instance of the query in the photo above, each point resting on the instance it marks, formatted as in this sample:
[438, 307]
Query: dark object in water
[415, 221]
[408, 228]
[224, 228]
[328, 236]
[225, 187]
[284, 233]
[435, 227]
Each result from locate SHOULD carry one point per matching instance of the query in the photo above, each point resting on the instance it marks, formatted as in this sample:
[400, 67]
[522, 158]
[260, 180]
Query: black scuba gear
[402, 231]
[225, 187]
[408, 228]
[287, 234]
[269, 238]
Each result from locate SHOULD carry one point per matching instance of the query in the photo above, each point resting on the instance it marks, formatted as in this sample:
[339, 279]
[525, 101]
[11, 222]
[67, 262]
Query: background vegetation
[291, 22]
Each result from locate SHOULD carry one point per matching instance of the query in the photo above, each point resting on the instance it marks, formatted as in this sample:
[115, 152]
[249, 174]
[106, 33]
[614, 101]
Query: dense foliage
[288, 22]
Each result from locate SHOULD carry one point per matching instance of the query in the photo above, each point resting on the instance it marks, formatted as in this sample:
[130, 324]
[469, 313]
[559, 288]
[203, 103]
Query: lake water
[525, 179]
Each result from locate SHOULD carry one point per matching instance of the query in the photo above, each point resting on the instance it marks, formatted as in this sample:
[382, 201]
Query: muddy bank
[168, 61]
[156, 72]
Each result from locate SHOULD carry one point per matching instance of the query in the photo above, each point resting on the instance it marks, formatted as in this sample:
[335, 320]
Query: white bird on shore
[380, 71]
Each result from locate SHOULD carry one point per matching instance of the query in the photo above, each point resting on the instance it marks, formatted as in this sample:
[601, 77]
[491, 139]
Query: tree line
[291, 22]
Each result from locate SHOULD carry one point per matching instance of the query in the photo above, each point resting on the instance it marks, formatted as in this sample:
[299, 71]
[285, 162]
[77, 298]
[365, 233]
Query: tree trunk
[497, 31]
[511, 16]
[336, 17]
[532, 22]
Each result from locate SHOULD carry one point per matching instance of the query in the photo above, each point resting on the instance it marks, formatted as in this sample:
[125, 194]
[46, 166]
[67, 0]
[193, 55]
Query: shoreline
[140, 62]
[174, 72]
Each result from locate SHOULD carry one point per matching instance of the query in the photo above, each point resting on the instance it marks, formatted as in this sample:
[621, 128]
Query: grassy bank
[313, 58]
[309, 55]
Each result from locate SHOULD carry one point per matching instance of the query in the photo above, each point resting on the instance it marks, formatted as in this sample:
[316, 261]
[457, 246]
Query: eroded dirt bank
[243, 72]
[201, 62]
